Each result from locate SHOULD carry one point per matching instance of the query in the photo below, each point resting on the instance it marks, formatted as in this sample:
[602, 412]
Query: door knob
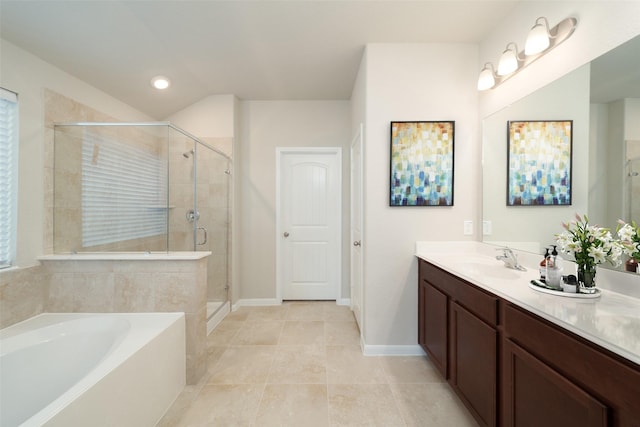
[286, 234]
[356, 243]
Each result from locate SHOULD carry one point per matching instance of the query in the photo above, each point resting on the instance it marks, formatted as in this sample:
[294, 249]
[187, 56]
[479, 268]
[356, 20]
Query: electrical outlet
[468, 228]
[487, 228]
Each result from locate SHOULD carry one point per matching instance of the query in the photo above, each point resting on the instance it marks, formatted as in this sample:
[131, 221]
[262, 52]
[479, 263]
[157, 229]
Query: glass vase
[586, 279]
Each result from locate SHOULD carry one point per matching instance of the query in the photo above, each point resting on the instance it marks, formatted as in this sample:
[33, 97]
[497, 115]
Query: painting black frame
[410, 143]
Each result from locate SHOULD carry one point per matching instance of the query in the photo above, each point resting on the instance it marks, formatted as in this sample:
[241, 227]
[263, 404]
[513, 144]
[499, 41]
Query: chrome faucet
[510, 259]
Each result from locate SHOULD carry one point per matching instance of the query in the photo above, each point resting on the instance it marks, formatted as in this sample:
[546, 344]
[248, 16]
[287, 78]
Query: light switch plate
[468, 228]
[486, 228]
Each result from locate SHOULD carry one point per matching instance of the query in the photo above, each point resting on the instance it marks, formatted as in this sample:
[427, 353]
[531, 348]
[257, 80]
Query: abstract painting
[422, 163]
[539, 163]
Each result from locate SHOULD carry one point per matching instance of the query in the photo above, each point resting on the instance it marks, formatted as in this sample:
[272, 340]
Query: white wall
[28, 75]
[359, 97]
[598, 170]
[617, 122]
[602, 25]
[632, 119]
[266, 125]
[212, 116]
[412, 82]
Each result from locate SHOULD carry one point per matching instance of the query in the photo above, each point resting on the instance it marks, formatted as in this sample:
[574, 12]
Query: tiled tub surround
[46, 382]
[23, 294]
[611, 321]
[134, 283]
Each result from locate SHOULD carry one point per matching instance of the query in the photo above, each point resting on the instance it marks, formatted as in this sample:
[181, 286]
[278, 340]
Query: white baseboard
[217, 318]
[256, 302]
[392, 350]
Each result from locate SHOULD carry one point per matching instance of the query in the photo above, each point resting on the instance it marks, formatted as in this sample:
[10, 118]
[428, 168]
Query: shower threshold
[216, 311]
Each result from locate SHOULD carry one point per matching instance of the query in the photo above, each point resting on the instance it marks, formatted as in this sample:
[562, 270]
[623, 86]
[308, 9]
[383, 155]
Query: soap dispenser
[554, 270]
[543, 265]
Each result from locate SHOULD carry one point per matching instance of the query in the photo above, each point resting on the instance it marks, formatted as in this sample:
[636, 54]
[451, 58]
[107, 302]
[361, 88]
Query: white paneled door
[356, 227]
[308, 218]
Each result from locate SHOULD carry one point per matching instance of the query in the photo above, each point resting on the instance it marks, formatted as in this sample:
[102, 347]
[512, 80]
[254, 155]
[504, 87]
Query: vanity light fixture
[160, 82]
[540, 41]
[538, 38]
[487, 78]
[510, 60]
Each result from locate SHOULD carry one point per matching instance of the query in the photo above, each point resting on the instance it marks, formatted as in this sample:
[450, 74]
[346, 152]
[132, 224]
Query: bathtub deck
[131, 385]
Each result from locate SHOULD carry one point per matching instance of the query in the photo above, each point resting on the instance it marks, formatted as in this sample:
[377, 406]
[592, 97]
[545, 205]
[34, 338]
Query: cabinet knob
[357, 243]
[286, 234]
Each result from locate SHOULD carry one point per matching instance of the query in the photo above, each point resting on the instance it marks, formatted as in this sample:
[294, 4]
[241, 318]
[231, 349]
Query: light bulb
[486, 80]
[538, 38]
[160, 82]
[508, 61]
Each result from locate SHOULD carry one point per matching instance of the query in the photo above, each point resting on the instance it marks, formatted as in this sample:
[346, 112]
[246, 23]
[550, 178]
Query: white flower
[590, 244]
[616, 254]
[626, 233]
[574, 247]
[597, 253]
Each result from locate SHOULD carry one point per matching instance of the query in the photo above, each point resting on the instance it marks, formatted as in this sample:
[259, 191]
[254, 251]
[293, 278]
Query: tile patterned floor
[300, 364]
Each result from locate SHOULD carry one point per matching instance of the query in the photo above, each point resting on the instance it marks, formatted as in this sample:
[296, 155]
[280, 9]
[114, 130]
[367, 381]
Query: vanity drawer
[477, 301]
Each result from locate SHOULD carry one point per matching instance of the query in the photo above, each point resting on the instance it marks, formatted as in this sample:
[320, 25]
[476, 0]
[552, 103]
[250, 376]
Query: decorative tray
[564, 294]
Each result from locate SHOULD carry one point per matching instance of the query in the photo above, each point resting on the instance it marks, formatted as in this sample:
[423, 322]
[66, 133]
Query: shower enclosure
[632, 181]
[143, 187]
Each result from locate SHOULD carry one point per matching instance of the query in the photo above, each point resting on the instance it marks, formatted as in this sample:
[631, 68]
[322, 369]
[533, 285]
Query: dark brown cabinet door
[432, 329]
[536, 395]
[474, 349]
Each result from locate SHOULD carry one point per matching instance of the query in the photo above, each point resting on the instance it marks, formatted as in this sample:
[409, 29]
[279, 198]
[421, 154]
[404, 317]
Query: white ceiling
[259, 50]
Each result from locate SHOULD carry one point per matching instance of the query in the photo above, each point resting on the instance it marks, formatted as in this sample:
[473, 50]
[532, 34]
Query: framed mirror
[602, 99]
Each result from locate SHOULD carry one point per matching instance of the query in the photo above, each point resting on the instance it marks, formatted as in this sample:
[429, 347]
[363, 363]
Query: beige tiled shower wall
[135, 286]
[60, 109]
[63, 173]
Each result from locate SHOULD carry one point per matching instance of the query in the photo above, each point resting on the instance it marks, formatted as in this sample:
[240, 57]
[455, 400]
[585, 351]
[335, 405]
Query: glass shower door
[199, 210]
[182, 212]
[212, 229]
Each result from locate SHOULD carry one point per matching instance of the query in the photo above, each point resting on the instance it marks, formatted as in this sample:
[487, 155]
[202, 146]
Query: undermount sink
[489, 269]
[482, 267]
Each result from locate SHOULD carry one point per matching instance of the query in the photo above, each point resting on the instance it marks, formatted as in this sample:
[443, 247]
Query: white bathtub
[91, 369]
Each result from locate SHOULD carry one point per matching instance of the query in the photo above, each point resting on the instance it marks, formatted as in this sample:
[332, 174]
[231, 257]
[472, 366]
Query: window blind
[8, 176]
[124, 191]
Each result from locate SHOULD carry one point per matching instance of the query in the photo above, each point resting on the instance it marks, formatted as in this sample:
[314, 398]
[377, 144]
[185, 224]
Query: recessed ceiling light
[160, 82]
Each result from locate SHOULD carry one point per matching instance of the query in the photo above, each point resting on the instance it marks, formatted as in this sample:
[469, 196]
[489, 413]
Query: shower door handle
[204, 242]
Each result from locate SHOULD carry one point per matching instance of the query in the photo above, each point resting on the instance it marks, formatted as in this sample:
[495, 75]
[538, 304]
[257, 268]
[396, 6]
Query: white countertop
[611, 321]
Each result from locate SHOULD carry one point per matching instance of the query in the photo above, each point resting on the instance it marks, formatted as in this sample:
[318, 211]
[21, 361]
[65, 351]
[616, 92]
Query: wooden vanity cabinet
[552, 377]
[432, 327]
[457, 329]
[513, 368]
